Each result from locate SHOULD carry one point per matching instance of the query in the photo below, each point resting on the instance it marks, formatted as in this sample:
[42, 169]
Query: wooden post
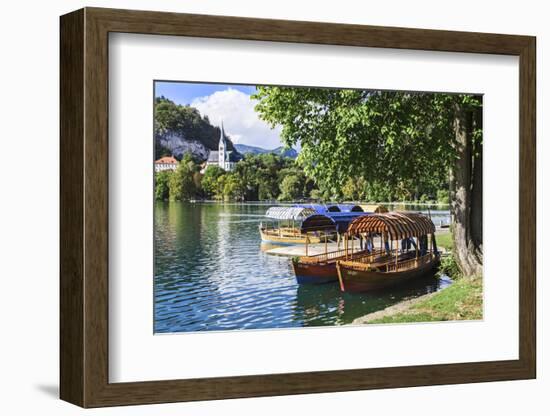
[307, 239]
[325, 244]
[416, 257]
[352, 247]
[340, 278]
[346, 244]
[396, 253]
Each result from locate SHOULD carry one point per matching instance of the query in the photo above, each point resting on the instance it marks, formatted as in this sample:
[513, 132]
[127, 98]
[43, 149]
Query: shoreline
[400, 307]
[462, 300]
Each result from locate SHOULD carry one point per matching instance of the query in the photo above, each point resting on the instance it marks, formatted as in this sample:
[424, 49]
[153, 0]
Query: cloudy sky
[230, 103]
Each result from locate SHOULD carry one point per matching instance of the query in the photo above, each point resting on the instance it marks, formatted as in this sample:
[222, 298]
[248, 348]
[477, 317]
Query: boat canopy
[318, 222]
[335, 220]
[289, 213]
[332, 208]
[398, 225]
[350, 208]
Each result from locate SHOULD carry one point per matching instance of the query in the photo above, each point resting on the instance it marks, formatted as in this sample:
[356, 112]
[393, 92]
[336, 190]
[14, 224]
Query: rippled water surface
[210, 274]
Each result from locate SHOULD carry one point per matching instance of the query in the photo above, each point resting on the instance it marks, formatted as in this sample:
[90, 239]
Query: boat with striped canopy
[321, 268]
[282, 227]
[407, 250]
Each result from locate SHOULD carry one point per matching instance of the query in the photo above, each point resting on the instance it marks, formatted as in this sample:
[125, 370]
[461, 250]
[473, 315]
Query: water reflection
[330, 306]
[211, 274]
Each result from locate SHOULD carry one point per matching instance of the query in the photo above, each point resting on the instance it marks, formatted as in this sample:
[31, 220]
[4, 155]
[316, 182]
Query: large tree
[402, 145]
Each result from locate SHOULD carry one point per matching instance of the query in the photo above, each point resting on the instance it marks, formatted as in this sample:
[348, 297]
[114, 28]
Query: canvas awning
[289, 213]
[397, 225]
[318, 222]
[350, 208]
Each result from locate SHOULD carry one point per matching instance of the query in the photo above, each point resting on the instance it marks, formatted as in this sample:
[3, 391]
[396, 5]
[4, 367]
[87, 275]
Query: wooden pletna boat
[282, 227]
[407, 250]
[321, 268]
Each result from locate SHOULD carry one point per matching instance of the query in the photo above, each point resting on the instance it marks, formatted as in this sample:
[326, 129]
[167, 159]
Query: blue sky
[228, 103]
[185, 92]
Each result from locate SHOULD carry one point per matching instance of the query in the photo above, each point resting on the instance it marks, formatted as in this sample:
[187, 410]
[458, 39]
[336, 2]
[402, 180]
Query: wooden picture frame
[84, 207]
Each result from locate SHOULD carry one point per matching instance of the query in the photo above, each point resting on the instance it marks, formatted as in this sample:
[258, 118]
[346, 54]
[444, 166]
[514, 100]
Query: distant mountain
[282, 151]
[246, 149]
[286, 152]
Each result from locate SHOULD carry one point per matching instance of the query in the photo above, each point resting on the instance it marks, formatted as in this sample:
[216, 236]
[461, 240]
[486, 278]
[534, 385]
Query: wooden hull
[324, 271]
[282, 239]
[315, 273]
[354, 280]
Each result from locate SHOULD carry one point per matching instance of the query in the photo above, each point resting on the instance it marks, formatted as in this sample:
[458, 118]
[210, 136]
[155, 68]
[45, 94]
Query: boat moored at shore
[283, 227]
[409, 248]
[321, 268]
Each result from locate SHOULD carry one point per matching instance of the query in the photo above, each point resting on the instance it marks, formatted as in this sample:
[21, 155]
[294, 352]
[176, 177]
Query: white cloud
[240, 121]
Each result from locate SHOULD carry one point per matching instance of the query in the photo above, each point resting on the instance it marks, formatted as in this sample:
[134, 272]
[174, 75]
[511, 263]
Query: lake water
[210, 274]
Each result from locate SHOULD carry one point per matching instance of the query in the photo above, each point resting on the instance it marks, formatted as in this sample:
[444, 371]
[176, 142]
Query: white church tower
[222, 150]
[225, 159]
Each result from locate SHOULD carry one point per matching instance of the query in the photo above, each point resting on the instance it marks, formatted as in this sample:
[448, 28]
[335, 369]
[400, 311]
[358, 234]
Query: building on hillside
[225, 159]
[166, 163]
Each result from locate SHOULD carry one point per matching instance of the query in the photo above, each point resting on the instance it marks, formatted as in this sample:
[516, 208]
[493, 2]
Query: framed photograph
[256, 207]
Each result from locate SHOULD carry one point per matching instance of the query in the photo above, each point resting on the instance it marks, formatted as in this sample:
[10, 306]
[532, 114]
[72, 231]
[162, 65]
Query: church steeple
[222, 133]
[222, 148]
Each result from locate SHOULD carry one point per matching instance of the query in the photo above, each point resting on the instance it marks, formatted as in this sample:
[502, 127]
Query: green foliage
[424, 199]
[261, 175]
[292, 187]
[220, 187]
[443, 196]
[355, 189]
[316, 194]
[209, 181]
[233, 189]
[182, 185]
[397, 142]
[184, 121]
[449, 267]
[355, 145]
[162, 180]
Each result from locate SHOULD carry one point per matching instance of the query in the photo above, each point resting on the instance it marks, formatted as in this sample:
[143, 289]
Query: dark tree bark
[476, 220]
[466, 183]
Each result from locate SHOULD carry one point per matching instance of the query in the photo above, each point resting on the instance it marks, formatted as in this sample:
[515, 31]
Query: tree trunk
[476, 220]
[466, 201]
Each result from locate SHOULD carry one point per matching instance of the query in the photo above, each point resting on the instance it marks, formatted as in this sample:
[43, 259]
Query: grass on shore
[445, 240]
[463, 300]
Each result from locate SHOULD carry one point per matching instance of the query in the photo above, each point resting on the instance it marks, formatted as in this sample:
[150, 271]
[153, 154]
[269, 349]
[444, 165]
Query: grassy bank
[445, 240]
[463, 300]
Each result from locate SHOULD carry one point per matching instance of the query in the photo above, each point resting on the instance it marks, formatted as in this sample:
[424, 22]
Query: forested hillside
[181, 129]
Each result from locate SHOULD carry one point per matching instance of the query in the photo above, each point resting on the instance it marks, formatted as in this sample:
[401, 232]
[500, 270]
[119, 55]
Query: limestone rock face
[179, 145]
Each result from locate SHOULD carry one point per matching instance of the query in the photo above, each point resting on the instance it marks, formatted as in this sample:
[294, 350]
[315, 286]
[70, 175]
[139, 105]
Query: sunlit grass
[445, 240]
[463, 300]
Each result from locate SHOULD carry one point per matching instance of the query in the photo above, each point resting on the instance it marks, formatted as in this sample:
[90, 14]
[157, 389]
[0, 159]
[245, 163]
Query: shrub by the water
[443, 196]
[449, 266]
